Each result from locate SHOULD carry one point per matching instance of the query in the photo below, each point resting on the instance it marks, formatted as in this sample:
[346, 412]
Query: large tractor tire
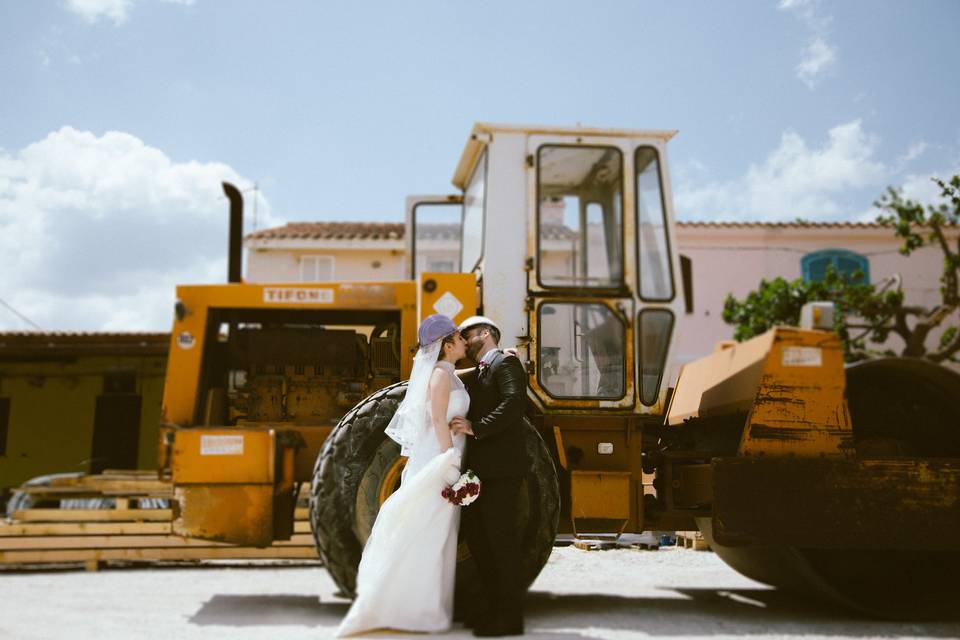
[359, 467]
[899, 407]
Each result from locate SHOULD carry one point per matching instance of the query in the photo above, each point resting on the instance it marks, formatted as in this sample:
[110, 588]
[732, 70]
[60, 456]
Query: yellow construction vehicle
[800, 473]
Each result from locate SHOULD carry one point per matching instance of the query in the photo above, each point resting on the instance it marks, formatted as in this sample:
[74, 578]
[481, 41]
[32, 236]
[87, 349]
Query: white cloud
[794, 180]
[806, 8]
[916, 150]
[97, 231]
[95, 10]
[917, 187]
[116, 10]
[922, 188]
[819, 56]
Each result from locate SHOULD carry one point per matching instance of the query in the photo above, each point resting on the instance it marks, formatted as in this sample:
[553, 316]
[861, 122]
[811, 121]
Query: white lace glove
[452, 473]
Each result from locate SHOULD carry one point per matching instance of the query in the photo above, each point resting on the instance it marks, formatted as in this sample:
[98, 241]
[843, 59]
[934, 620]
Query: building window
[442, 266]
[846, 263]
[316, 268]
[4, 424]
[686, 270]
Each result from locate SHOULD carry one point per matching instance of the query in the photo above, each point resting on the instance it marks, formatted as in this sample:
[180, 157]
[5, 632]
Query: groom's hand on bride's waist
[461, 425]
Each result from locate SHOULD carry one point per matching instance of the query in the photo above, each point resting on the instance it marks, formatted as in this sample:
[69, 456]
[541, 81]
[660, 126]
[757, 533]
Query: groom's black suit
[497, 453]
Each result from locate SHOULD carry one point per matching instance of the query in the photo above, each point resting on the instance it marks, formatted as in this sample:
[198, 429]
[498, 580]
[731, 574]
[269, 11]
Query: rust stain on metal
[767, 432]
[369, 294]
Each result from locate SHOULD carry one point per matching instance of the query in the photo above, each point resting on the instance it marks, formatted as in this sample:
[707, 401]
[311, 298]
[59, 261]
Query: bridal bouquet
[463, 491]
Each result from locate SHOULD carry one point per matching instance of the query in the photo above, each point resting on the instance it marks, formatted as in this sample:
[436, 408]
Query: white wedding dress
[406, 575]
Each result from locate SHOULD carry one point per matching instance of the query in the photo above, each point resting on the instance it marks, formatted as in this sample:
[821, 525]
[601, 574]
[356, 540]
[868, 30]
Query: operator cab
[570, 234]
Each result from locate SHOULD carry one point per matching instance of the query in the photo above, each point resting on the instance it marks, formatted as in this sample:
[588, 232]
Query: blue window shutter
[815, 269]
[814, 265]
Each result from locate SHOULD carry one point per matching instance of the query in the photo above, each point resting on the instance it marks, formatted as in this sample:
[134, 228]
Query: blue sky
[120, 117]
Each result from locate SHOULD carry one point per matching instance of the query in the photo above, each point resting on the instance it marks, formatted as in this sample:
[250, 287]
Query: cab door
[581, 303]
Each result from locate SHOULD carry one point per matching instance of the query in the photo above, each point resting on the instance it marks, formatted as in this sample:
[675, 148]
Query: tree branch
[950, 293]
[946, 352]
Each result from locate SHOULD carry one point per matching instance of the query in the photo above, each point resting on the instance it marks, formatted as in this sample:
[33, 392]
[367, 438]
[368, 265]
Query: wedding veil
[412, 419]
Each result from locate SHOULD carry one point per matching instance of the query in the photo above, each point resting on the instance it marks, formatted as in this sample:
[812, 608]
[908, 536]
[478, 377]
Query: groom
[497, 453]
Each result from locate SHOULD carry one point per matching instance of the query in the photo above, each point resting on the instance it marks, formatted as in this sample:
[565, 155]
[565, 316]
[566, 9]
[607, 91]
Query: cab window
[580, 217]
[654, 329]
[436, 237]
[474, 204]
[581, 351]
[653, 249]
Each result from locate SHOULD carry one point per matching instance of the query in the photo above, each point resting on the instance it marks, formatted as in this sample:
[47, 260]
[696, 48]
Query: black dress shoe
[488, 631]
[513, 630]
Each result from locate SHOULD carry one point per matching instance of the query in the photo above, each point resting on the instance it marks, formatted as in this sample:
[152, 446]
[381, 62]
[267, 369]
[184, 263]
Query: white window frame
[313, 263]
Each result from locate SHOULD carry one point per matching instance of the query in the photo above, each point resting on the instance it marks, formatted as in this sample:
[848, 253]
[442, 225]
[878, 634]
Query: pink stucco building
[725, 257]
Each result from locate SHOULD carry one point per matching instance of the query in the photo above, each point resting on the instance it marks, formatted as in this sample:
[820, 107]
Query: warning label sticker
[221, 445]
[802, 357]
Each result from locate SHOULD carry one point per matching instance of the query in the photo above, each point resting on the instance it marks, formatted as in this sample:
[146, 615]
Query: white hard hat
[473, 321]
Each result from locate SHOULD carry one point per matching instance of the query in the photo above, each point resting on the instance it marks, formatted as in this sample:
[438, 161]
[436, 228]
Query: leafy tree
[867, 312]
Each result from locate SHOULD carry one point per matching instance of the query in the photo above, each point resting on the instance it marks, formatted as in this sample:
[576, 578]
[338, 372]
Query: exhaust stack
[235, 257]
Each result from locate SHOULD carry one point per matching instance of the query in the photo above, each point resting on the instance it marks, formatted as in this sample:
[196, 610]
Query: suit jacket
[498, 403]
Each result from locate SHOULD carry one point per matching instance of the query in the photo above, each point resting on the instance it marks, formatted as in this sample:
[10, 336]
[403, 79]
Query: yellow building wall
[52, 406]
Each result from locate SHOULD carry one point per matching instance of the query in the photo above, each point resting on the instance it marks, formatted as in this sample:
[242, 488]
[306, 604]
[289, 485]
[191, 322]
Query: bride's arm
[439, 400]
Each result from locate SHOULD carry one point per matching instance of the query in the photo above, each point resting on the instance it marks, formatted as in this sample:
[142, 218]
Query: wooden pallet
[92, 537]
[588, 544]
[595, 545]
[692, 540]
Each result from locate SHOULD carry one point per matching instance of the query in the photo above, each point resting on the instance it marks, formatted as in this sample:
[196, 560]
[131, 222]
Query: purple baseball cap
[434, 328]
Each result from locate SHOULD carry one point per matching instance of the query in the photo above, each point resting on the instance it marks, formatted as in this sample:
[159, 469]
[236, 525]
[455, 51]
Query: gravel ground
[616, 595]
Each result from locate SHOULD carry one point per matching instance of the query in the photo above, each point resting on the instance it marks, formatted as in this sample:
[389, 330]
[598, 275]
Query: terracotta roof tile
[798, 224]
[438, 231]
[71, 343]
[332, 231]
[395, 230]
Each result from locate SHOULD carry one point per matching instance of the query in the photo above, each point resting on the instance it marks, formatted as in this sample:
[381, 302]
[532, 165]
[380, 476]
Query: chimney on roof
[235, 256]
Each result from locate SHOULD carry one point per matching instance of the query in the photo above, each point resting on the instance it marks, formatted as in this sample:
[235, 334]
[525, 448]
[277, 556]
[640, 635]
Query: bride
[406, 575]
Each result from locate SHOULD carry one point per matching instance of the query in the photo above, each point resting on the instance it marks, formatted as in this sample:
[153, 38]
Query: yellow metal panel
[306, 457]
[183, 363]
[600, 494]
[234, 456]
[561, 450]
[187, 339]
[800, 407]
[238, 514]
[440, 289]
[721, 383]
[788, 382]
